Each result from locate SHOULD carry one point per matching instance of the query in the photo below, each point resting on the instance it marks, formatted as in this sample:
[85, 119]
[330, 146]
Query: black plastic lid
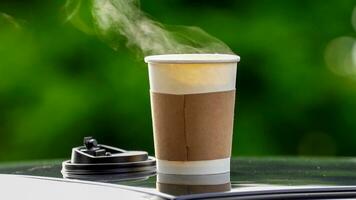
[97, 161]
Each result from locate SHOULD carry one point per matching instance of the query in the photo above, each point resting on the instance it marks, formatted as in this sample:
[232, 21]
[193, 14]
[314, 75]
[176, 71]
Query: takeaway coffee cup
[192, 102]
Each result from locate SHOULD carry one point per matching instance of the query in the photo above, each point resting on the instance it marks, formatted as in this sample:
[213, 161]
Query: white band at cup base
[206, 179]
[194, 167]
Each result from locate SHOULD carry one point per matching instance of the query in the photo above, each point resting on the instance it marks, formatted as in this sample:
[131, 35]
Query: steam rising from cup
[8, 20]
[118, 19]
[192, 84]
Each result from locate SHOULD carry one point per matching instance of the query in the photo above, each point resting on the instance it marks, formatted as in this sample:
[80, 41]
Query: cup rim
[192, 58]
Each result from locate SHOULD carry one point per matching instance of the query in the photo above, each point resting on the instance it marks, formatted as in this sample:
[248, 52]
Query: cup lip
[193, 58]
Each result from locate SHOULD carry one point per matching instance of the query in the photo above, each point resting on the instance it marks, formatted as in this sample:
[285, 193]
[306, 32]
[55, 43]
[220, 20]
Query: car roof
[249, 176]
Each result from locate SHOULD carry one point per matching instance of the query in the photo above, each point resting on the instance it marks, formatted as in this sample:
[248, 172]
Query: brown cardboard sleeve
[193, 127]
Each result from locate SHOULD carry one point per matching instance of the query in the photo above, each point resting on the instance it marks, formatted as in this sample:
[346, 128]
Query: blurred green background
[296, 79]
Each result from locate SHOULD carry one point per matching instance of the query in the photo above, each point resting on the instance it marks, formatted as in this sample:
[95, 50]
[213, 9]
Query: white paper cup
[192, 99]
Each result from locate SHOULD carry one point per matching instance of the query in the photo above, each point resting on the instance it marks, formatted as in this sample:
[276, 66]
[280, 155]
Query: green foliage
[58, 83]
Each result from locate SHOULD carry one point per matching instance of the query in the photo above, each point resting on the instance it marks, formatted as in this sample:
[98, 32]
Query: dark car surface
[250, 178]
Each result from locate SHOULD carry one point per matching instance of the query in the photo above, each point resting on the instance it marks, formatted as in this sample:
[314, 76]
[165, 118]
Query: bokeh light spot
[353, 18]
[340, 56]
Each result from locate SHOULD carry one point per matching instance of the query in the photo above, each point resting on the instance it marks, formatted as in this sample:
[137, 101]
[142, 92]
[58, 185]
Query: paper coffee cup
[192, 100]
